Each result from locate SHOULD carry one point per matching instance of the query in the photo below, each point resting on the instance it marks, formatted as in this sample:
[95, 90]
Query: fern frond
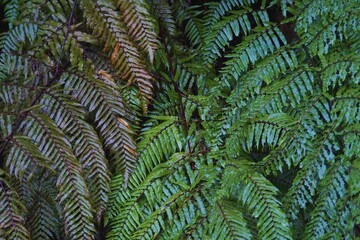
[32, 10]
[193, 27]
[289, 91]
[157, 144]
[73, 192]
[335, 185]
[346, 105]
[268, 70]
[351, 141]
[101, 98]
[181, 201]
[272, 221]
[104, 21]
[6, 120]
[187, 74]
[130, 212]
[54, 34]
[219, 9]
[135, 15]
[309, 11]
[12, 222]
[167, 104]
[87, 146]
[283, 5]
[11, 10]
[12, 93]
[226, 30]
[270, 131]
[354, 189]
[163, 10]
[321, 35]
[260, 44]
[232, 223]
[306, 121]
[166, 135]
[313, 168]
[251, 129]
[342, 226]
[340, 70]
[44, 212]
[24, 155]
[259, 195]
[14, 39]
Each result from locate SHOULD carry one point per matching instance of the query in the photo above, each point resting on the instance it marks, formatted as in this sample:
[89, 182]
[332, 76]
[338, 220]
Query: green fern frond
[313, 167]
[320, 36]
[259, 196]
[17, 36]
[219, 9]
[351, 141]
[100, 97]
[11, 93]
[87, 146]
[284, 5]
[129, 207]
[346, 105]
[270, 131]
[233, 26]
[164, 12]
[73, 192]
[266, 71]
[135, 14]
[309, 11]
[354, 189]
[12, 211]
[54, 34]
[232, 225]
[262, 43]
[44, 212]
[155, 119]
[325, 205]
[167, 104]
[125, 57]
[342, 227]
[193, 28]
[289, 91]
[158, 143]
[306, 121]
[11, 10]
[340, 69]
[27, 156]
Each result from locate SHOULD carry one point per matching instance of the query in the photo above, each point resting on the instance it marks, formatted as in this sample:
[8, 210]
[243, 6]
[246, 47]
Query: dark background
[3, 25]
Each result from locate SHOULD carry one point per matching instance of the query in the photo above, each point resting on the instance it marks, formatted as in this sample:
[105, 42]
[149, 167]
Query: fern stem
[180, 95]
[65, 38]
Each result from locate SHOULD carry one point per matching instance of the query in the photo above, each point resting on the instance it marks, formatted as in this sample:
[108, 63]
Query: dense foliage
[156, 119]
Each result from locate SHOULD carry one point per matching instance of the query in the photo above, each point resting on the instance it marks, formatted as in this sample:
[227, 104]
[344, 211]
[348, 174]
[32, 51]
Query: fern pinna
[154, 119]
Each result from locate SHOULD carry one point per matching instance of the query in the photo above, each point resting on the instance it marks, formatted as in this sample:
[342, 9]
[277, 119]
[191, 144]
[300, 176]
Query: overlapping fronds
[234, 26]
[325, 206]
[44, 211]
[66, 117]
[156, 145]
[162, 10]
[259, 196]
[12, 211]
[233, 224]
[109, 25]
[136, 16]
[155, 119]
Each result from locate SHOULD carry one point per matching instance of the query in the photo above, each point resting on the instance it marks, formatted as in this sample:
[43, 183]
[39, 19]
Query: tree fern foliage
[154, 119]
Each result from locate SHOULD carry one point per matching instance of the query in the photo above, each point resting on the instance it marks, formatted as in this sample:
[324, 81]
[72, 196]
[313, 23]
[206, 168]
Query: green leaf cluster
[154, 119]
